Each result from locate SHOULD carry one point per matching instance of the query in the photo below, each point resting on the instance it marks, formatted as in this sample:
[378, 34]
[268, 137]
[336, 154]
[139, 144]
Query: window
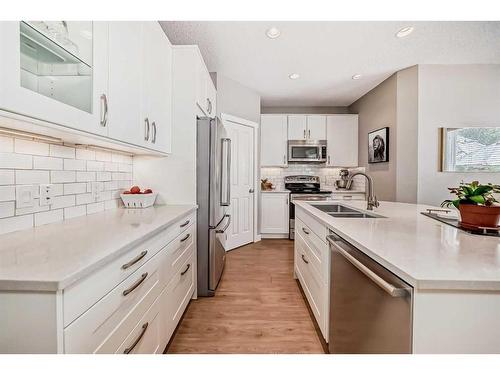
[470, 149]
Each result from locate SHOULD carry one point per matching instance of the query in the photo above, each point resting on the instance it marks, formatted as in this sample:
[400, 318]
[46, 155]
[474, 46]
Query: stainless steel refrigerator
[213, 197]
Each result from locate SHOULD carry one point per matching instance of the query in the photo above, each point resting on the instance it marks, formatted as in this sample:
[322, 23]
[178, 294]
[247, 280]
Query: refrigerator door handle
[225, 199]
[227, 225]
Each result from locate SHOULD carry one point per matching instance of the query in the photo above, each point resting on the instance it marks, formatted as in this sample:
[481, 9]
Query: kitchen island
[455, 276]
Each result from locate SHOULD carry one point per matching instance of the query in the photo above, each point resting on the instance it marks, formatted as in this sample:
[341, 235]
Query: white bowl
[138, 200]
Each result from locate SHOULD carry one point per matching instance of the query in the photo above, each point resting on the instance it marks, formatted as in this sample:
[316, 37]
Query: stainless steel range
[304, 188]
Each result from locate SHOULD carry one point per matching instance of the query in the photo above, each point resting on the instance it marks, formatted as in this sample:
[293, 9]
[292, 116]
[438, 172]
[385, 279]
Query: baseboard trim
[273, 235]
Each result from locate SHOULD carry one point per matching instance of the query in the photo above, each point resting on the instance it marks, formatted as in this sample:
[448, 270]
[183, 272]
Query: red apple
[127, 192]
[135, 190]
[148, 191]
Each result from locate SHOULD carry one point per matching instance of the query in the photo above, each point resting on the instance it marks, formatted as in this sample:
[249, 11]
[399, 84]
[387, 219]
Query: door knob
[251, 190]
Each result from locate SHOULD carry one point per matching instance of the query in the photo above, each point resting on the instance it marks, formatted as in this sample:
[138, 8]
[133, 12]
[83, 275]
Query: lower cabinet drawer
[179, 250]
[145, 338]
[178, 293]
[104, 326]
[312, 284]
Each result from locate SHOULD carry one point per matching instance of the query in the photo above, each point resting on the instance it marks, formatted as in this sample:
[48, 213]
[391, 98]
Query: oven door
[303, 151]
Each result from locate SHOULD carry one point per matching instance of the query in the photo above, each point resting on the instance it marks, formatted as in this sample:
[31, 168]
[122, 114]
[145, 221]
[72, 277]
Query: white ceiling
[328, 54]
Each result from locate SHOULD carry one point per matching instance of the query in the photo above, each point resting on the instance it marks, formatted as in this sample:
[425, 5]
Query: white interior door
[241, 230]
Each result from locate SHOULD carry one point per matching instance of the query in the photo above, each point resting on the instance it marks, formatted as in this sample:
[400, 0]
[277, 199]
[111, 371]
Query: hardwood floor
[258, 308]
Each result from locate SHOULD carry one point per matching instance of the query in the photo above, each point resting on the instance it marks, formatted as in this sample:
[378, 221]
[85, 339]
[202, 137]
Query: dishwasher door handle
[384, 285]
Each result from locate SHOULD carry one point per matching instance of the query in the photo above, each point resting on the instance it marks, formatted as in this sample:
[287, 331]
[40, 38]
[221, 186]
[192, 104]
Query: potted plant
[476, 203]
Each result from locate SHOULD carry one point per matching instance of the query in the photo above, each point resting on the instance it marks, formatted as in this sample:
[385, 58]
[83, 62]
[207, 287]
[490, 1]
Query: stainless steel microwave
[307, 151]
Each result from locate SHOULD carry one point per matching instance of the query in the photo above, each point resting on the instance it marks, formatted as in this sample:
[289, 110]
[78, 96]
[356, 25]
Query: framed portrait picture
[378, 146]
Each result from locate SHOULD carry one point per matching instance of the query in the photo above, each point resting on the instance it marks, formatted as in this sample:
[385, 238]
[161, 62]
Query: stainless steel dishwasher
[370, 307]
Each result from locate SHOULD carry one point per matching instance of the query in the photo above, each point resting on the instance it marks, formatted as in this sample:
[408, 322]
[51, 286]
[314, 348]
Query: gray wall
[235, 99]
[452, 96]
[377, 109]
[305, 110]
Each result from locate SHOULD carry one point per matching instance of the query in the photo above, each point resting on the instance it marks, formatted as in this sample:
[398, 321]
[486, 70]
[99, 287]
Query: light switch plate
[25, 196]
[46, 194]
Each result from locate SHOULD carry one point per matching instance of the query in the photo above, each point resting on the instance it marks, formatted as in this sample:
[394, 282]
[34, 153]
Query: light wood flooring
[258, 308]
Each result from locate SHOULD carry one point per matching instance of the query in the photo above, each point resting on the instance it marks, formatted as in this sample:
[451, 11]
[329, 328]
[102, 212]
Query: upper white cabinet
[273, 144]
[297, 127]
[48, 71]
[342, 140]
[316, 127]
[106, 79]
[206, 94]
[306, 127]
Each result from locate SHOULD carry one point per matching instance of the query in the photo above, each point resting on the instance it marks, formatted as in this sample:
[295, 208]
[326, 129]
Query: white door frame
[238, 120]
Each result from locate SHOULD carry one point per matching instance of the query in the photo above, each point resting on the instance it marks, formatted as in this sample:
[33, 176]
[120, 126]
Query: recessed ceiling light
[294, 76]
[356, 76]
[273, 33]
[405, 31]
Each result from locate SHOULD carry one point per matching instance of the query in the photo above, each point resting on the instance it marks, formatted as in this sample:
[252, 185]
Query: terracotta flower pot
[479, 216]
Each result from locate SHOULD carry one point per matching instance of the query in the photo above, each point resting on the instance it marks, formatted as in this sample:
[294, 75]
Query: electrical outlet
[25, 196]
[46, 194]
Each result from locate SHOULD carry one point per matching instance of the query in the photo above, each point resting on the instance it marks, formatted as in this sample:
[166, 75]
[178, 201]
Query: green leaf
[478, 199]
[483, 189]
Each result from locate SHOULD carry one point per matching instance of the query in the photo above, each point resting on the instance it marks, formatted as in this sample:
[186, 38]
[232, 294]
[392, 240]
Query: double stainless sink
[338, 210]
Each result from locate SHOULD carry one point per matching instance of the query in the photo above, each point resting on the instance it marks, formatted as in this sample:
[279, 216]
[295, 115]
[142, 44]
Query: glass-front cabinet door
[55, 71]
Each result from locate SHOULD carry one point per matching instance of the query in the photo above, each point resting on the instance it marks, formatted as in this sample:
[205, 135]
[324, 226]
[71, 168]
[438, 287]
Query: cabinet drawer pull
[185, 237]
[136, 341]
[184, 224]
[135, 260]
[187, 269]
[104, 110]
[304, 259]
[146, 129]
[136, 284]
[305, 230]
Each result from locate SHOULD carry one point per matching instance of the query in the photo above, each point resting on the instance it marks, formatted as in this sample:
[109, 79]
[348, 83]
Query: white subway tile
[15, 223]
[62, 176]
[98, 186]
[47, 162]
[125, 167]
[103, 176]
[111, 167]
[15, 161]
[95, 207]
[62, 201]
[6, 144]
[7, 209]
[116, 194]
[33, 209]
[32, 177]
[74, 165]
[104, 196]
[62, 152]
[57, 189]
[70, 212]
[75, 188]
[119, 176]
[85, 176]
[111, 204]
[6, 177]
[7, 193]
[23, 146]
[85, 154]
[102, 155]
[110, 185]
[47, 217]
[95, 165]
[84, 199]
[124, 184]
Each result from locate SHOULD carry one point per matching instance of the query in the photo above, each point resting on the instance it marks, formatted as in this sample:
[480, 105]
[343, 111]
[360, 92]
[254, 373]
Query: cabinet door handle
[185, 237]
[305, 231]
[146, 129]
[208, 105]
[136, 341]
[284, 159]
[135, 285]
[184, 224]
[104, 110]
[304, 133]
[135, 260]
[187, 269]
[304, 259]
[328, 159]
[309, 133]
[153, 125]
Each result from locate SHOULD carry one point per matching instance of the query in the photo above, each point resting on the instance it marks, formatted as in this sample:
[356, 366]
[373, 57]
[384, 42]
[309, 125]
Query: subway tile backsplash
[328, 176]
[71, 171]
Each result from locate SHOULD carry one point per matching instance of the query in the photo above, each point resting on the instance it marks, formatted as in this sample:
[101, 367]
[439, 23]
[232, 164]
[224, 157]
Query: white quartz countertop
[53, 256]
[425, 253]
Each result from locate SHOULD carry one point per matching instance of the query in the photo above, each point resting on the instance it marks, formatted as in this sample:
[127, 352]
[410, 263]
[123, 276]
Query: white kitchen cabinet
[205, 90]
[73, 100]
[342, 140]
[157, 88]
[274, 213]
[316, 127]
[297, 127]
[273, 141]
